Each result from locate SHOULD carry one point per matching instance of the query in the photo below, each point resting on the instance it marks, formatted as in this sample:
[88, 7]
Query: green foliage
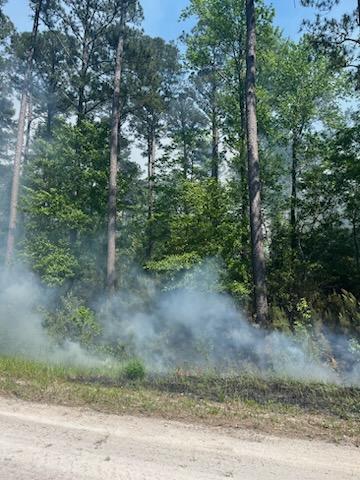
[342, 313]
[134, 370]
[174, 263]
[336, 35]
[201, 222]
[73, 321]
[64, 201]
[304, 328]
[65, 204]
[279, 319]
[54, 263]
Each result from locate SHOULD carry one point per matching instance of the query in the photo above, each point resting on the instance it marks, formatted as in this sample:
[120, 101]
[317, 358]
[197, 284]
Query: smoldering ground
[188, 326]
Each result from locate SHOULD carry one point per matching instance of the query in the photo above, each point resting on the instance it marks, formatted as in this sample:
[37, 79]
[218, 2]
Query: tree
[186, 124]
[206, 61]
[65, 191]
[86, 23]
[257, 236]
[51, 71]
[331, 203]
[114, 145]
[222, 24]
[128, 12]
[6, 120]
[20, 137]
[157, 67]
[6, 104]
[303, 96]
[337, 37]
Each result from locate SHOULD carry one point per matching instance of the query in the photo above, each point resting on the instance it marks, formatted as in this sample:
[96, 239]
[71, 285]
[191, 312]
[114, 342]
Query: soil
[42, 442]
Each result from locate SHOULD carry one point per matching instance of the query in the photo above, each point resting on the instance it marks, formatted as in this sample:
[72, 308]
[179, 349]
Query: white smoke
[22, 302]
[193, 326]
[187, 326]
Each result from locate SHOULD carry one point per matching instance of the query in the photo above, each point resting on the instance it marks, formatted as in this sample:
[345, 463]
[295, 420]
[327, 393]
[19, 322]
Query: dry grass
[195, 403]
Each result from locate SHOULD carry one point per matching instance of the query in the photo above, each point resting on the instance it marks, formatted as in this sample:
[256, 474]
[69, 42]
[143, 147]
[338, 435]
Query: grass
[280, 407]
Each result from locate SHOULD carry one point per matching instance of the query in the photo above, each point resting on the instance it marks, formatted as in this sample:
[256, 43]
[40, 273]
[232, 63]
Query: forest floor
[276, 407]
[42, 442]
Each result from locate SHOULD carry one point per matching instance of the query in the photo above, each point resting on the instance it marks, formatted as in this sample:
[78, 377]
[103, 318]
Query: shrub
[134, 370]
[73, 321]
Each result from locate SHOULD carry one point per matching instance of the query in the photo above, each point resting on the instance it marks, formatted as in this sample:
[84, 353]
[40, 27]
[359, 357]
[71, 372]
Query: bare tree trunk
[257, 236]
[20, 141]
[215, 147]
[151, 193]
[186, 160]
[84, 67]
[81, 90]
[293, 202]
[114, 149]
[28, 131]
[215, 157]
[185, 146]
[356, 243]
[215, 131]
[50, 114]
[244, 188]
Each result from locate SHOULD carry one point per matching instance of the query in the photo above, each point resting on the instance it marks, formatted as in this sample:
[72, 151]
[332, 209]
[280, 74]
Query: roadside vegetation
[281, 407]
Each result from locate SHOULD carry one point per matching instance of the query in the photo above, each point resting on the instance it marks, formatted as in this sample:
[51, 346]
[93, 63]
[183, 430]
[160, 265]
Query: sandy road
[41, 442]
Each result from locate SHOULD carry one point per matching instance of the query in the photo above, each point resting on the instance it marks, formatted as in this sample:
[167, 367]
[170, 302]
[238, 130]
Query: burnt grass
[339, 401]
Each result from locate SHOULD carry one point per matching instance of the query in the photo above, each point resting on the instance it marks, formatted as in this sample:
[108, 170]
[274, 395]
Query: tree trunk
[185, 146]
[49, 121]
[215, 131]
[151, 193]
[257, 236]
[356, 243]
[244, 188]
[20, 141]
[186, 160]
[50, 104]
[215, 157]
[114, 149]
[84, 68]
[215, 146]
[81, 90]
[28, 131]
[293, 202]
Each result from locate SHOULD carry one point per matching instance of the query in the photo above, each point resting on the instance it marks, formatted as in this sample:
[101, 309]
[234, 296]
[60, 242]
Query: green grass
[331, 399]
[274, 406]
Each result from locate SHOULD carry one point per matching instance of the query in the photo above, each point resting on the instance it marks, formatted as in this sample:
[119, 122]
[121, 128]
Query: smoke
[188, 326]
[23, 302]
[191, 326]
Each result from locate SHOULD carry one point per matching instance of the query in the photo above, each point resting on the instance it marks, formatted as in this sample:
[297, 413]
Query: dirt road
[41, 442]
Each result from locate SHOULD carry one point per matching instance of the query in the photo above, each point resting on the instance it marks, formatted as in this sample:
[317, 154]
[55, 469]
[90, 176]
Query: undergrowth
[340, 401]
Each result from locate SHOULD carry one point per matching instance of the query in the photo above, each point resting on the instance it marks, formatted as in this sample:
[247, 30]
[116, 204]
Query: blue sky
[161, 16]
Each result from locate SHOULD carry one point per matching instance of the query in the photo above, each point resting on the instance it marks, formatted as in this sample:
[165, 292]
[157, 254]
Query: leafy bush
[73, 321]
[54, 263]
[134, 370]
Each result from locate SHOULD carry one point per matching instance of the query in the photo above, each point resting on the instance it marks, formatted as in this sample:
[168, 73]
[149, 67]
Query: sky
[162, 16]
